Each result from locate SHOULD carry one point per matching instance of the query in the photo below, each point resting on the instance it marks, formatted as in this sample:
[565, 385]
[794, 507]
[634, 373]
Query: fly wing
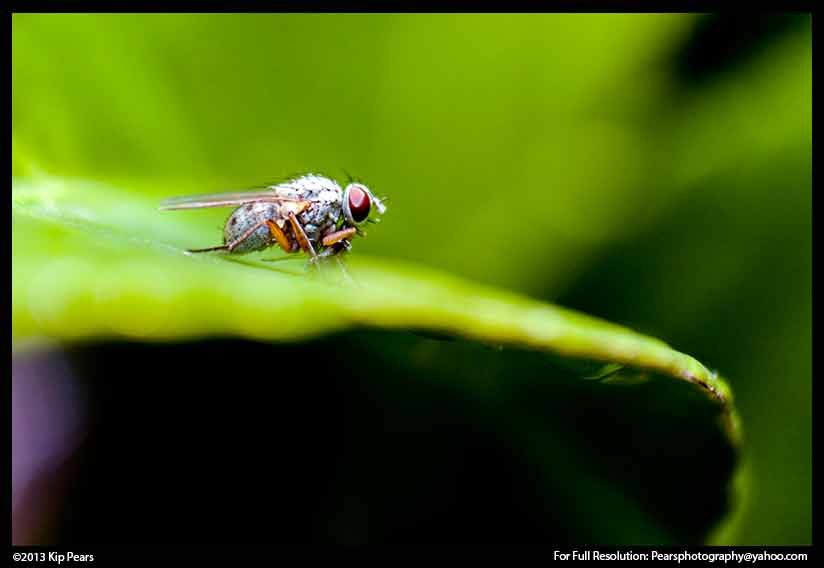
[228, 199]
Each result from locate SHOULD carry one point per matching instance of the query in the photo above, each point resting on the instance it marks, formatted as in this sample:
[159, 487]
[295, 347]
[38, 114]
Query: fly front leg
[338, 242]
[335, 249]
[335, 252]
[337, 236]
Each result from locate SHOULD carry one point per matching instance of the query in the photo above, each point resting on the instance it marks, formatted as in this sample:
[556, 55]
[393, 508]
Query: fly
[310, 213]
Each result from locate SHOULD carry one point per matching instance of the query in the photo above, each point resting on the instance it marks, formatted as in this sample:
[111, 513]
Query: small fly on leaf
[310, 213]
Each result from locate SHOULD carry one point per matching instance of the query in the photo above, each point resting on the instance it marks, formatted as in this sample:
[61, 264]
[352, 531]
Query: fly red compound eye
[359, 203]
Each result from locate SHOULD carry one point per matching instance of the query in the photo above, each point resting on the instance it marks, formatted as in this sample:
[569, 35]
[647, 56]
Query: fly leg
[229, 246]
[282, 240]
[302, 238]
[233, 245]
[338, 242]
[337, 236]
[342, 265]
[208, 249]
[335, 252]
[280, 237]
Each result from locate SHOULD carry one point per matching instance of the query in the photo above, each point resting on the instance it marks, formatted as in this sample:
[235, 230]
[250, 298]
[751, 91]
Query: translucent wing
[228, 199]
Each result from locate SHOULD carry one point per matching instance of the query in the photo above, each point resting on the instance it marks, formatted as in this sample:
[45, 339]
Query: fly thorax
[320, 216]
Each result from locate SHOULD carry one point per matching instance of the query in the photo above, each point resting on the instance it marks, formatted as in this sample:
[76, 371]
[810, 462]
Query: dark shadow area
[720, 43]
[385, 437]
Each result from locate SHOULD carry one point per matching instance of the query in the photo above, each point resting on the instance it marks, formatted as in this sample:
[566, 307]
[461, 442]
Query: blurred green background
[654, 170]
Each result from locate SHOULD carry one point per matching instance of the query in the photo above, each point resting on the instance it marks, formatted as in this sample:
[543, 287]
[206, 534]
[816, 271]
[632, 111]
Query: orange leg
[338, 236]
[279, 235]
[300, 235]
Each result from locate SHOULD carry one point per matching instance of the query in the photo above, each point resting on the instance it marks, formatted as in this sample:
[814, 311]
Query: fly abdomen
[246, 227]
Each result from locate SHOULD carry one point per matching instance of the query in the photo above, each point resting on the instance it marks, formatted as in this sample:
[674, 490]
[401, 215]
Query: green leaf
[92, 261]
